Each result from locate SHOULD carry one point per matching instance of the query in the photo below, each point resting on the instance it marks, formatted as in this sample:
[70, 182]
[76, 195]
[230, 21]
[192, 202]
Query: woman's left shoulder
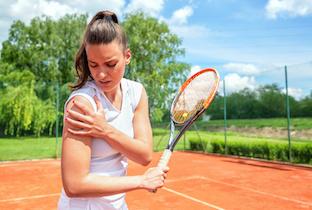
[132, 85]
[131, 82]
[134, 91]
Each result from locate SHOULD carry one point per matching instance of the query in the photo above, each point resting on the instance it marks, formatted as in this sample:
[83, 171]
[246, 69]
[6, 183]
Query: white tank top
[105, 160]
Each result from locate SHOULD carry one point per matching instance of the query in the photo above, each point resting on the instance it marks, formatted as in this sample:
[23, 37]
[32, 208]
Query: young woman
[106, 122]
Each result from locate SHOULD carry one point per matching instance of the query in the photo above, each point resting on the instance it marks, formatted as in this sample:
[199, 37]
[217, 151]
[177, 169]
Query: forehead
[104, 51]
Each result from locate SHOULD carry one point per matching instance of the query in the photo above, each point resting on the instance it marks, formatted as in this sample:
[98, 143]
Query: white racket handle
[163, 162]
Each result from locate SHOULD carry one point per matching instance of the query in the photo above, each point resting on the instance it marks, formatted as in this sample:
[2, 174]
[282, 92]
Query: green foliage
[21, 110]
[264, 149]
[42, 54]
[154, 60]
[267, 101]
[45, 47]
[280, 123]
[306, 106]
[33, 59]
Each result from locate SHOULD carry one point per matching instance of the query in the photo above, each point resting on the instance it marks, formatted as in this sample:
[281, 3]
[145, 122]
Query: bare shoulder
[81, 99]
[70, 106]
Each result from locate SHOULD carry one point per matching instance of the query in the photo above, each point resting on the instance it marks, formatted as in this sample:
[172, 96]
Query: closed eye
[92, 65]
[111, 65]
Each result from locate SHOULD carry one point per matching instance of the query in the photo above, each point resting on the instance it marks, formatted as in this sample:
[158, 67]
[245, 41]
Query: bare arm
[138, 149]
[77, 179]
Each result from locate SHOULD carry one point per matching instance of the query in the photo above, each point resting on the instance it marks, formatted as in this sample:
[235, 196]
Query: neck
[114, 95]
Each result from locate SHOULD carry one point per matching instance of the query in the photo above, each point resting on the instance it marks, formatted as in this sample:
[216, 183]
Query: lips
[105, 82]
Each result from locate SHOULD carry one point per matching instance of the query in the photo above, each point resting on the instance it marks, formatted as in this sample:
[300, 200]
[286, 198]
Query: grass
[45, 147]
[28, 148]
[296, 123]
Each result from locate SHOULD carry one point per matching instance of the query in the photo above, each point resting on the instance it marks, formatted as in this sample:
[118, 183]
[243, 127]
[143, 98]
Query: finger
[77, 124]
[166, 169]
[78, 133]
[165, 176]
[82, 107]
[79, 116]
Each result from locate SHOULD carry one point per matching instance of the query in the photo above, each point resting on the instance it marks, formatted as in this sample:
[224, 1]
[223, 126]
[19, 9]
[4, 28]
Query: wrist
[140, 182]
[107, 132]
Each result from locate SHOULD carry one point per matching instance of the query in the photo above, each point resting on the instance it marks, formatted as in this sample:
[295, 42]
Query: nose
[102, 73]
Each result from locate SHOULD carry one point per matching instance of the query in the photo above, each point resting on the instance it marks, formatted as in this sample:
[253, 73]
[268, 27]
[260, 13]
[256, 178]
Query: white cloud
[25, 10]
[194, 69]
[53, 9]
[93, 6]
[297, 93]
[152, 8]
[180, 16]
[191, 32]
[234, 83]
[241, 68]
[275, 8]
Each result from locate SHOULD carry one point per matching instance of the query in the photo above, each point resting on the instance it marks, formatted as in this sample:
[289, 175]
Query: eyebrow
[107, 61]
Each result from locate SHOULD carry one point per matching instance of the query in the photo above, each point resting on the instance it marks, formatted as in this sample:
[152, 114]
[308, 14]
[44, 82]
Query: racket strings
[193, 97]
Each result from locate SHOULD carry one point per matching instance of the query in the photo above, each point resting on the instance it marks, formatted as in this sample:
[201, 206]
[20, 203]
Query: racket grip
[163, 162]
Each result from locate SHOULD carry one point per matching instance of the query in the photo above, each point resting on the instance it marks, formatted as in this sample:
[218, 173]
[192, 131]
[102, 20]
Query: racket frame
[164, 159]
[189, 122]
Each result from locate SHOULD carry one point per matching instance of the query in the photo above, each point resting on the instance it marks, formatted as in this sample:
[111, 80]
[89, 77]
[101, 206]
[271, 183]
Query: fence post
[288, 115]
[56, 120]
[225, 123]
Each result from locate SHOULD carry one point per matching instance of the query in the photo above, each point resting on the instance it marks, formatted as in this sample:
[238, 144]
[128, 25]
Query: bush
[270, 150]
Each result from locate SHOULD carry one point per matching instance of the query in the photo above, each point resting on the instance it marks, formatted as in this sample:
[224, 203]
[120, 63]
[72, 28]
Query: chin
[106, 87]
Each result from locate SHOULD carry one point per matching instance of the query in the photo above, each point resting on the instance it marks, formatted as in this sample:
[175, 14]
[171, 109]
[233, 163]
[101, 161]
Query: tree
[21, 110]
[43, 52]
[272, 101]
[306, 106]
[216, 108]
[45, 47]
[37, 56]
[154, 60]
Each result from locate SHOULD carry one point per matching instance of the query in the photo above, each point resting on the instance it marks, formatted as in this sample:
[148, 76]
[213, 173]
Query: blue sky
[248, 41]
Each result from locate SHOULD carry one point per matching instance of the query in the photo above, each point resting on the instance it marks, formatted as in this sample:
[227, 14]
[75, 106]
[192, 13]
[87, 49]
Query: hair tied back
[107, 15]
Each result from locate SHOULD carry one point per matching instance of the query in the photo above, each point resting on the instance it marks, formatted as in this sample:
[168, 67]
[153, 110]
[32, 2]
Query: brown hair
[102, 29]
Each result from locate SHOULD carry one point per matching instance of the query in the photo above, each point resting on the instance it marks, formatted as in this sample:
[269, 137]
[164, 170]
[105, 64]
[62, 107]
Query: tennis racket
[192, 99]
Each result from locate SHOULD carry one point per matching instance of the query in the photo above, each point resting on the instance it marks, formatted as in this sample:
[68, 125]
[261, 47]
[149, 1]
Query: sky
[248, 41]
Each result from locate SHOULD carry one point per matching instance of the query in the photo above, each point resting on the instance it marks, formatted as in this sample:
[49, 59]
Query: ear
[128, 56]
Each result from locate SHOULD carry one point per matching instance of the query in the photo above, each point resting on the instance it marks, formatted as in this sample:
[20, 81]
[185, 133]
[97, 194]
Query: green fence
[270, 117]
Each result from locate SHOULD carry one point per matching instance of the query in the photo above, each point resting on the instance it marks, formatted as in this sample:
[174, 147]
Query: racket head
[194, 96]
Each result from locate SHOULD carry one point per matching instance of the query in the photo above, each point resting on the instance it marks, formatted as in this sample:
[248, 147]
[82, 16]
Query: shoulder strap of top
[134, 92]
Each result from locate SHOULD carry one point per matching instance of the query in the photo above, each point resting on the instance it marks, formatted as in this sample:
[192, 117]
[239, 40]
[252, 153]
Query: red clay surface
[195, 182]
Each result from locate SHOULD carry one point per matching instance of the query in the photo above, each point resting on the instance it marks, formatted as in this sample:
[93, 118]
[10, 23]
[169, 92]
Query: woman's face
[107, 64]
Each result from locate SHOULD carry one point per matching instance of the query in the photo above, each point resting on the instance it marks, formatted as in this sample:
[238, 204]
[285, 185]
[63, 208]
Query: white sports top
[105, 160]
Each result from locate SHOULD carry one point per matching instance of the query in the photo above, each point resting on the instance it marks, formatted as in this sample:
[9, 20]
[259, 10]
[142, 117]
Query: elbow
[147, 160]
[73, 190]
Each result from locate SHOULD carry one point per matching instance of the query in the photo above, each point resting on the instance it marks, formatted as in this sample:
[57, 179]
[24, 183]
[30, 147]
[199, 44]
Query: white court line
[191, 198]
[30, 197]
[245, 188]
[22, 162]
[261, 192]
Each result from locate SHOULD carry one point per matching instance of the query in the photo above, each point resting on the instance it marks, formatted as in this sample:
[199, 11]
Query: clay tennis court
[195, 182]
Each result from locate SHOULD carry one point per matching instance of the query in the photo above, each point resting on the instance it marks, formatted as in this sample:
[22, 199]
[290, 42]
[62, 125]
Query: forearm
[93, 185]
[137, 150]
